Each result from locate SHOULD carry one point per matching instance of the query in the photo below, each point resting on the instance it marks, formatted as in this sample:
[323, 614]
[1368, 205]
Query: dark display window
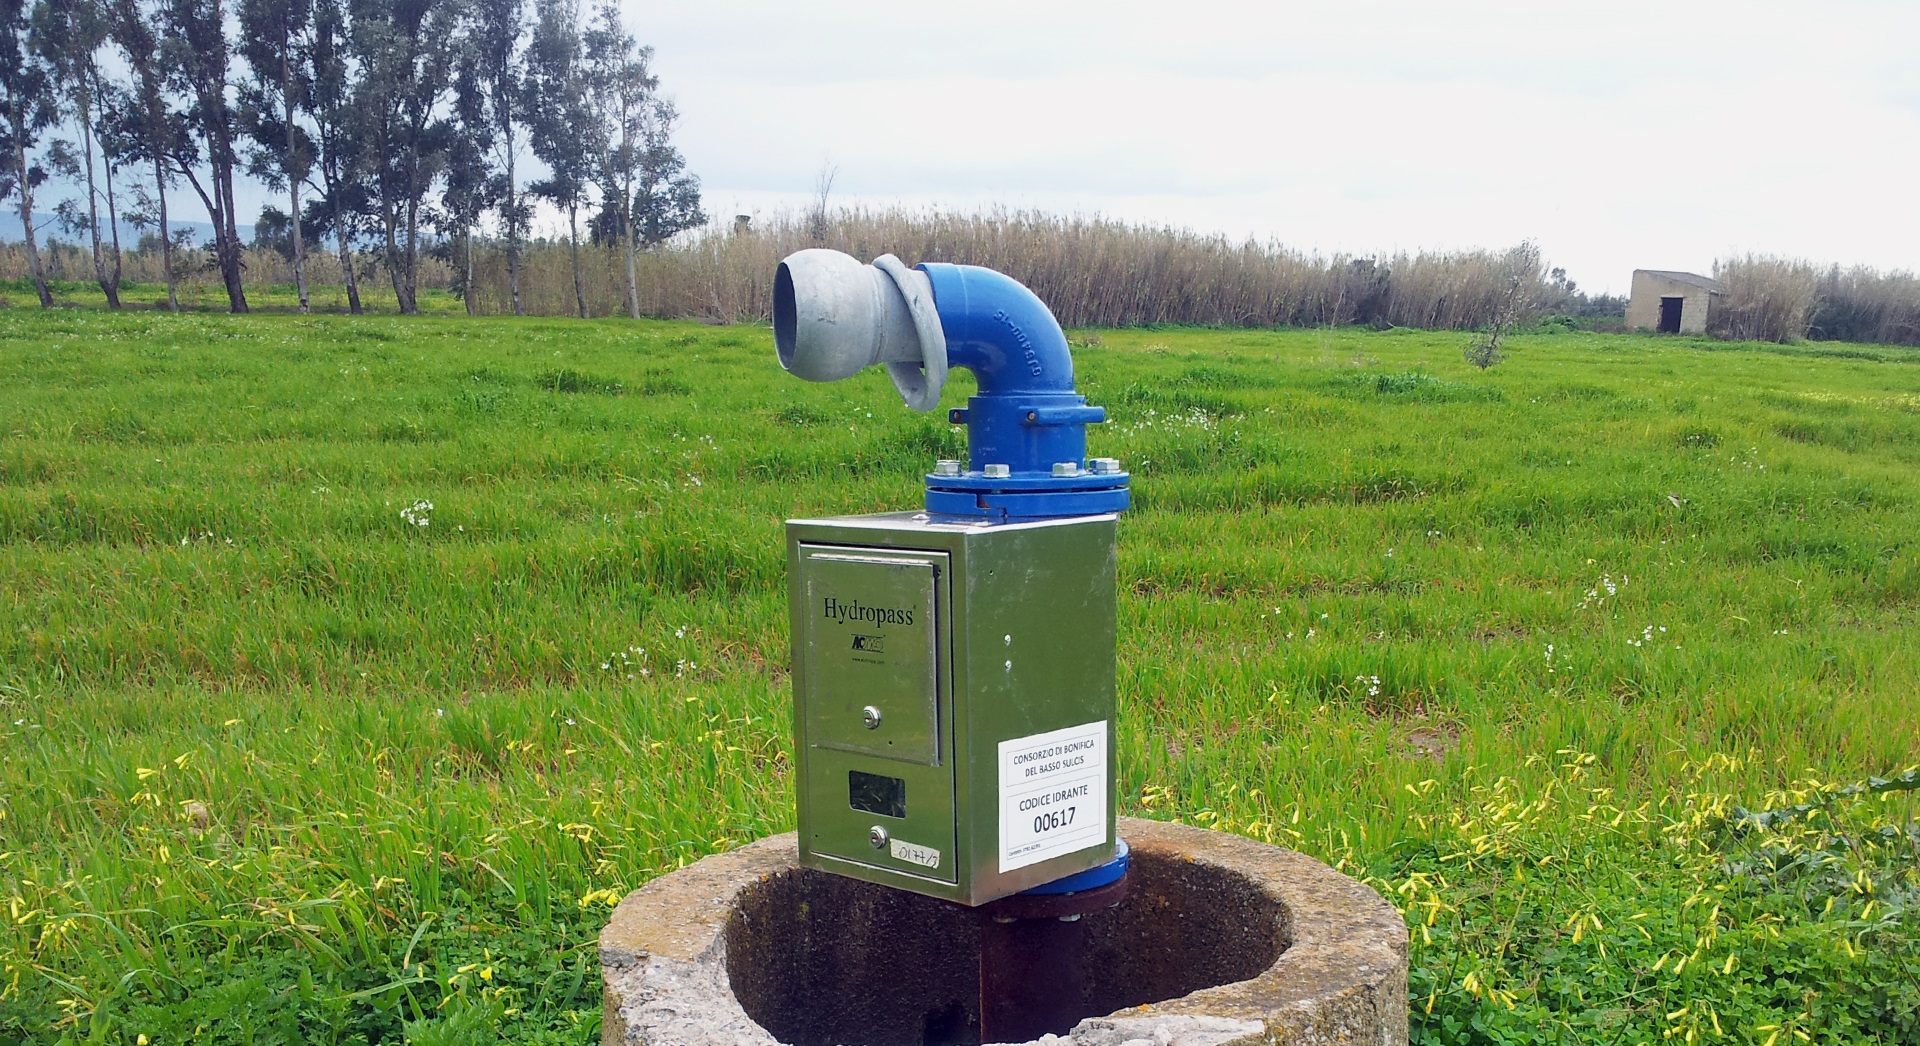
[875, 794]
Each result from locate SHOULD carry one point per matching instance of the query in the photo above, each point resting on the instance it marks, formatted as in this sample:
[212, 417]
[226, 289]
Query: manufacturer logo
[854, 610]
[870, 644]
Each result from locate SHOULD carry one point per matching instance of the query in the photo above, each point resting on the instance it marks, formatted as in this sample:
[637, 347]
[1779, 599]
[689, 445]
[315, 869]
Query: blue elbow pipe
[1026, 420]
[999, 330]
[1027, 453]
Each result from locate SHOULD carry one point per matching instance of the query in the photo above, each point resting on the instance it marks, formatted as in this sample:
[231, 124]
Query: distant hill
[46, 226]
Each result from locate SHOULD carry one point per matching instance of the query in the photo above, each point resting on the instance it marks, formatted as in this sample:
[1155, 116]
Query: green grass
[282, 763]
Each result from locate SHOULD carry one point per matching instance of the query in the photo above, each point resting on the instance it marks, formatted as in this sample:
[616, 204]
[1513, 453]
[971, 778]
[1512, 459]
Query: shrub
[1863, 304]
[1518, 298]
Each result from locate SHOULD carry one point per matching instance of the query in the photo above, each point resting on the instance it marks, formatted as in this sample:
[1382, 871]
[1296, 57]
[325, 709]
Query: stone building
[1672, 302]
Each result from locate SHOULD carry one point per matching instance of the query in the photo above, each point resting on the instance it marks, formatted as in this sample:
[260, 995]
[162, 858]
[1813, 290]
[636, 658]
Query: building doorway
[1670, 309]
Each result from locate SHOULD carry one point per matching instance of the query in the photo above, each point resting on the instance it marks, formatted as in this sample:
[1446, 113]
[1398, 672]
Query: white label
[1053, 794]
[914, 853]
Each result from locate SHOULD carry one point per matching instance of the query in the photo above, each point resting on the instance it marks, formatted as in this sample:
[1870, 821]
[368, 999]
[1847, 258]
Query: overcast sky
[1632, 134]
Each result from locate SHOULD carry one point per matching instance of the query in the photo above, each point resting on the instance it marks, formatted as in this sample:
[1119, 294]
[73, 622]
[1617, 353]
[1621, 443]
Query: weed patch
[1416, 387]
[573, 382]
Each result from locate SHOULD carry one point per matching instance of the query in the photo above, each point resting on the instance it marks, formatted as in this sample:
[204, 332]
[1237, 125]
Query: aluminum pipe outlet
[834, 317]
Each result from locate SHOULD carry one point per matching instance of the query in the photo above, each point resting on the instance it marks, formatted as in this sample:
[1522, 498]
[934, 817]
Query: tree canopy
[389, 127]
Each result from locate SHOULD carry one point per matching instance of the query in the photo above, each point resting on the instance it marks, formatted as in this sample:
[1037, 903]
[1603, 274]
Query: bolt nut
[945, 467]
[997, 471]
[1105, 466]
[1066, 468]
[878, 837]
[870, 716]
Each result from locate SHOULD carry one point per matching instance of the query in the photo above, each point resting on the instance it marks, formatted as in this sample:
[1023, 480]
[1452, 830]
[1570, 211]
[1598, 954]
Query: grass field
[353, 668]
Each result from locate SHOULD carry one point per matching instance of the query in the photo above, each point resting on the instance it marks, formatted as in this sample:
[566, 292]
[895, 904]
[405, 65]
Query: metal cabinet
[953, 699]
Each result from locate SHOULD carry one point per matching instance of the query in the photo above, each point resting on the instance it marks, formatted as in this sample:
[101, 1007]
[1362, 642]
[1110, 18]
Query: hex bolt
[946, 467]
[870, 716]
[1105, 466]
[877, 835]
[1066, 468]
[997, 471]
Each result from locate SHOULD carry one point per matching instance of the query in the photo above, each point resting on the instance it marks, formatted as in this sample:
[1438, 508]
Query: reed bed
[1093, 272]
[1864, 304]
[1770, 298]
[1767, 298]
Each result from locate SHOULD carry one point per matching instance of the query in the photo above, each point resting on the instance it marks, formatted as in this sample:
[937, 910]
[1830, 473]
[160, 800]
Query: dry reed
[1094, 272]
[1767, 298]
[1863, 304]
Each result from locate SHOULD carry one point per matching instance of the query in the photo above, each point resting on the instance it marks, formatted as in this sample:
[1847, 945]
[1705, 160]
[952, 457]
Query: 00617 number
[1052, 819]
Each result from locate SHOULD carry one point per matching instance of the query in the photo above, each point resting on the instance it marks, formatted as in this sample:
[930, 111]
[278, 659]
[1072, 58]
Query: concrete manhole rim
[1342, 976]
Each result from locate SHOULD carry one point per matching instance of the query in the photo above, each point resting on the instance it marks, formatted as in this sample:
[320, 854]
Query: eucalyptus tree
[276, 39]
[497, 68]
[150, 130]
[666, 198]
[337, 161]
[473, 186]
[195, 52]
[619, 91]
[565, 131]
[405, 53]
[70, 35]
[27, 101]
[659, 199]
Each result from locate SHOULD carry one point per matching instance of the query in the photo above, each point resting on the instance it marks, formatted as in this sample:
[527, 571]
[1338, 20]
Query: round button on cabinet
[878, 837]
[870, 716]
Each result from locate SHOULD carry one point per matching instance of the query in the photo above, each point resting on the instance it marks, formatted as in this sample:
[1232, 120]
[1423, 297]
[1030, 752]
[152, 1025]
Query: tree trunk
[513, 233]
[391, 221]
[233, 275]
[573, 237]
[466, 285]
[26, 207]
[633, 286]
[156, 147]
[412, 260]
[111, 288]
[293, 183]
[166, 235]
[225, 234]
[346, 255]
[346, 270]
[113, 228]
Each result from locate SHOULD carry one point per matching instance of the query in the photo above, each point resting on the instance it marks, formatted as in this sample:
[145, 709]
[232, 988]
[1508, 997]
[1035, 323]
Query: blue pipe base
[1027, 497]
